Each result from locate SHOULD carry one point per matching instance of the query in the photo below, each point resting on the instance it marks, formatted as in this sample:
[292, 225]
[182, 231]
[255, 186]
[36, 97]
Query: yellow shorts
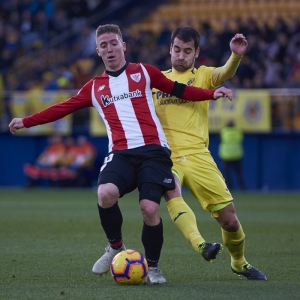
[200, 174]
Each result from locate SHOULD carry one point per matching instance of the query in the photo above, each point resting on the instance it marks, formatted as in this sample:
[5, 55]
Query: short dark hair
[108, 28]
[186, 34]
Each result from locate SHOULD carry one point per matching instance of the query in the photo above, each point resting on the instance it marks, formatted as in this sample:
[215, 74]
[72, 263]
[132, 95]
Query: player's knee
[150, 212]
[150, 195]
[231, 224]
[149, 208]
[107, 195]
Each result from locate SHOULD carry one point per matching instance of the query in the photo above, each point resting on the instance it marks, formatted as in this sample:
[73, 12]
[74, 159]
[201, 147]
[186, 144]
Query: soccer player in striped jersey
[138, 152]
[185, 124]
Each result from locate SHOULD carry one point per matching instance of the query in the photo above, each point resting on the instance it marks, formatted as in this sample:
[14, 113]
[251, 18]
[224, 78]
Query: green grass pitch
[50, 239]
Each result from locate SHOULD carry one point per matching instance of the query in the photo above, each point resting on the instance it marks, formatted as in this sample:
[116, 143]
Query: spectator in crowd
[46, 6]
[231, 153]
[86, 41]
[49, 82]
[83, 163]
[295, 72]
[59, 23]
[64, 163]
[47, 162]
[28, 36]
[83, 71]
[65, 174]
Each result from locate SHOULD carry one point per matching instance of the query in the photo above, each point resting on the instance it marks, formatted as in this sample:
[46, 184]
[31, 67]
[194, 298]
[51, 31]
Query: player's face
[111, 48]
[183, 55]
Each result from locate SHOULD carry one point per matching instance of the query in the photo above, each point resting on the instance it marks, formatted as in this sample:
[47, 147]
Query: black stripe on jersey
[178, 89]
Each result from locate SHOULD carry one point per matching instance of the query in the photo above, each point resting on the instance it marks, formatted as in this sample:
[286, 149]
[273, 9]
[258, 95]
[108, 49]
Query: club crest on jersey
[136, 77]
[190, 82]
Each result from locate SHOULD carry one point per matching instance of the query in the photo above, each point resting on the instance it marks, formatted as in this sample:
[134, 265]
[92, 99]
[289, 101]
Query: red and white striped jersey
[125, 104]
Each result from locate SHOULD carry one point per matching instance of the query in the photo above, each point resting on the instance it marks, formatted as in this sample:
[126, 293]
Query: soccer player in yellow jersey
[185, 124]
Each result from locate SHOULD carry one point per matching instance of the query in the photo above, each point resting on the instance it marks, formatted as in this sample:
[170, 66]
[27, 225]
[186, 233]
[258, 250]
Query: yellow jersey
[185, 123]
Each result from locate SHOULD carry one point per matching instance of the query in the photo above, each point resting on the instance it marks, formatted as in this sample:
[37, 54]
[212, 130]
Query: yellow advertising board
[24, 104]
[250, 109]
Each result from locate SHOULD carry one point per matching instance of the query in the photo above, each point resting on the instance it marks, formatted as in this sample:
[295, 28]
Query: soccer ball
[129, 267]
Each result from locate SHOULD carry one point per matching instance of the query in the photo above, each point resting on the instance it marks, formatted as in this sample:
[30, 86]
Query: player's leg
[234, 240]
[199, 172]
[217, 199]
[181, 214]
[154, 178]
[112, 185]
[232, 231]
[152, 234]
[111, 220]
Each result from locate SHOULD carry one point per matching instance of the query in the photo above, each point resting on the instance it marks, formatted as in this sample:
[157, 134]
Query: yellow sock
[235, 243]
[184, 218]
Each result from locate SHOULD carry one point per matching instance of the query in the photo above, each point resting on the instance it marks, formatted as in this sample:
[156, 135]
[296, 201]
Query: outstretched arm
[238, 46]
[182, 91]
[190, 92]
[56, 111]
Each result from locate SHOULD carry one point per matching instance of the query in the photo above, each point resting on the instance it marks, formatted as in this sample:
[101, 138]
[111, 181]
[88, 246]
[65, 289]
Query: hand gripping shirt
[125, 104]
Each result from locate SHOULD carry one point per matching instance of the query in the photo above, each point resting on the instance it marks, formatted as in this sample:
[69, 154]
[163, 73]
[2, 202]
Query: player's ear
[197, 52]
[171, 46]
[124, 46]
[98, 52]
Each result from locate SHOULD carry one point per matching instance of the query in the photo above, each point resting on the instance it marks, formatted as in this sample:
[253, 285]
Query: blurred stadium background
[50, 240]
[47, 52]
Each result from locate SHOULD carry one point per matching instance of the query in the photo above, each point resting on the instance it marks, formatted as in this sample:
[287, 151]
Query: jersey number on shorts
[108, 158]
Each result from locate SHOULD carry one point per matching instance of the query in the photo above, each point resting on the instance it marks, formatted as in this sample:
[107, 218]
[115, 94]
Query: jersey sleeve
[227, 71]
[162, 83]
[59, 110]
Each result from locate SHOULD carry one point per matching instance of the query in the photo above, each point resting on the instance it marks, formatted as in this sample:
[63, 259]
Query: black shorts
[129, 169]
